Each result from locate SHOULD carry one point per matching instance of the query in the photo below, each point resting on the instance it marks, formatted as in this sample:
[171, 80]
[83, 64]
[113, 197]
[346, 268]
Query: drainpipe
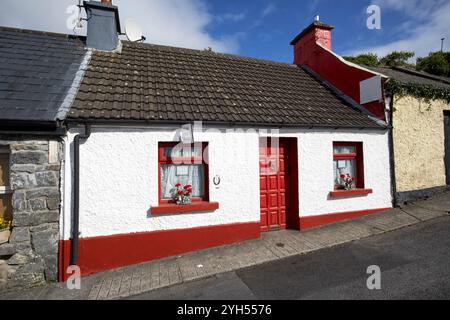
[391, 151]
[76, 196]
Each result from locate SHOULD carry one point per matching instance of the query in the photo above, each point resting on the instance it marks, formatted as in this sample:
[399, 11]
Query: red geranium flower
[178, 185]
[187, 187]
[180, 193]
[342, 176]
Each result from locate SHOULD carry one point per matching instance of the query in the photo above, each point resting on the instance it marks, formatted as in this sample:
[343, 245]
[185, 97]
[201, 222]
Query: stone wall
[31, 256]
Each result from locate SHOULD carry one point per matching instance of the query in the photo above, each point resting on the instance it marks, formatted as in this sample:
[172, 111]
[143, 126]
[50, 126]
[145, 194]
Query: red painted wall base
[104, 253]
[315, 221]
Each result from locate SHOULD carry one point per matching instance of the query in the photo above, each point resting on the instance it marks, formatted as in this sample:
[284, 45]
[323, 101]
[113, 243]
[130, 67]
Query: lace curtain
[343, 167]
[185, 174]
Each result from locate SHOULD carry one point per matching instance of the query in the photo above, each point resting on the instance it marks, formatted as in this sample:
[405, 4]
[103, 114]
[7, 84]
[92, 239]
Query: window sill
[172, 208]
[350, 193]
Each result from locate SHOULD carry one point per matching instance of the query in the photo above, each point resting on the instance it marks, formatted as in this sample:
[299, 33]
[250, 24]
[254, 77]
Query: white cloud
[266, 11]
[428, 22]
[230, 17]
[313, 5]
[269, 9]
[419, 9]
[180, 23]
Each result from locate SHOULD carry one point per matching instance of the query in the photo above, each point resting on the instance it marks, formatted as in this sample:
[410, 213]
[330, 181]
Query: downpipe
[76, 196]
[392, 153]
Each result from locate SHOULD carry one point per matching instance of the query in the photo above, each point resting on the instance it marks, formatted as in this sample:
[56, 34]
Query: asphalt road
[414, 263]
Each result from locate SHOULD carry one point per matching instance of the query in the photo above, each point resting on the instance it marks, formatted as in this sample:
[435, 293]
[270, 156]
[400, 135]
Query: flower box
[350, 193]
[172, 208]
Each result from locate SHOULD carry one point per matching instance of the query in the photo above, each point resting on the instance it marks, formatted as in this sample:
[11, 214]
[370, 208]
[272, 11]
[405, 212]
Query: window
[348, 159]
[5, 190]
[184, 164]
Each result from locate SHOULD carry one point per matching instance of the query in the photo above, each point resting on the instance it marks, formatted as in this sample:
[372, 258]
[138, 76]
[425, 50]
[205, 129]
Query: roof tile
[173, 84]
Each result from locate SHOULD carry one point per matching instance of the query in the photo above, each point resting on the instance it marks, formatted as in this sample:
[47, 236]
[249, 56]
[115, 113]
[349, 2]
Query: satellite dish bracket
[133, 31]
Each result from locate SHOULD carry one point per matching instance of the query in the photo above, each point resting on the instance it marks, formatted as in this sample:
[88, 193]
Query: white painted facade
[119, 177]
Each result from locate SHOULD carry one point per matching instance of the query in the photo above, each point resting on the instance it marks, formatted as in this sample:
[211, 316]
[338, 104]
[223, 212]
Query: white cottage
[251, 145]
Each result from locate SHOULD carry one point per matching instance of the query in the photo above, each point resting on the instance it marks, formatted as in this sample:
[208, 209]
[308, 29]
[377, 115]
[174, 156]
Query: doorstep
[137, 279]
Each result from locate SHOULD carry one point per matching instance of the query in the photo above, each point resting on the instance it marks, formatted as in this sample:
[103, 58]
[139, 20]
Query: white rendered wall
[317, 178]
[119, 182]
[119, 178]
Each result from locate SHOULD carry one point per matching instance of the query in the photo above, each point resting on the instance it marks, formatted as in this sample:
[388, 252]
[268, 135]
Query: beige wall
[419, 143]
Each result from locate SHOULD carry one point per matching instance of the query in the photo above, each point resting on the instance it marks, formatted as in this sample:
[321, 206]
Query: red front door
[274, 183]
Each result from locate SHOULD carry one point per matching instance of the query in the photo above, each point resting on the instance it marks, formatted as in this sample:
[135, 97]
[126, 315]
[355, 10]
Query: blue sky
[283, 19]
[259, 28]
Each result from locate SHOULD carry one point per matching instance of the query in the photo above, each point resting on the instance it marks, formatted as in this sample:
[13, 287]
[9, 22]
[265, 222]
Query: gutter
[221, 123]
[76, 193]
[57, 133]
[34, 127]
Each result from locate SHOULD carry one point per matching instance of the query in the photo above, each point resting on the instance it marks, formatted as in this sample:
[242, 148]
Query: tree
[393, 59]
[437, 63]
[367, 59]
[397, 59]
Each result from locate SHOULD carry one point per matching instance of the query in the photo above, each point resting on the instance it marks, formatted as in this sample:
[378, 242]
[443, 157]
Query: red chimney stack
[305, 43]
[312, 49]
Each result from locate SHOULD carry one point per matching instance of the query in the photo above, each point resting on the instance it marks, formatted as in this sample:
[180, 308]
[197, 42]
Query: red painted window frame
[358, 156]
[163, 160]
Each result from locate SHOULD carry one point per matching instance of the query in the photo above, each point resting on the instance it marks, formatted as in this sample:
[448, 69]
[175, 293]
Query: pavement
[226, 269]
[414, 264]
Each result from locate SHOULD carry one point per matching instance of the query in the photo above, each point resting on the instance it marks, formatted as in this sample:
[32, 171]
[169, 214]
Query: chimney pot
[107, 1]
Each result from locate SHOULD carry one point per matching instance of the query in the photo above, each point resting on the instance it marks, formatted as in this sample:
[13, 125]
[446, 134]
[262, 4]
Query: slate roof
[37, 69]
[156, 83]
[407, 76]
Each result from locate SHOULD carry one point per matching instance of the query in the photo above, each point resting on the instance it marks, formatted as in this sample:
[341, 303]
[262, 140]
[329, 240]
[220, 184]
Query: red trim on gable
[104, 253]
[345, 77]
[316, 221]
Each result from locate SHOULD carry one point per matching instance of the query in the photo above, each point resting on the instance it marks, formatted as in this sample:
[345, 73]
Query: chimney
[103, 25]
[304, 44]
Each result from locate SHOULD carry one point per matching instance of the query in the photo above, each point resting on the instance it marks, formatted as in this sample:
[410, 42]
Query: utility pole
[442, 44]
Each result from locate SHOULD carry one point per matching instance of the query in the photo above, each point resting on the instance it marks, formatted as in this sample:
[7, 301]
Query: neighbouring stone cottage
[421, 132]
[39, 74]
[30, 256]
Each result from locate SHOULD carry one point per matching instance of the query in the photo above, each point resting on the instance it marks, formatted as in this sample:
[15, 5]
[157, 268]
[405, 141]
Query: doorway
[278, 183]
